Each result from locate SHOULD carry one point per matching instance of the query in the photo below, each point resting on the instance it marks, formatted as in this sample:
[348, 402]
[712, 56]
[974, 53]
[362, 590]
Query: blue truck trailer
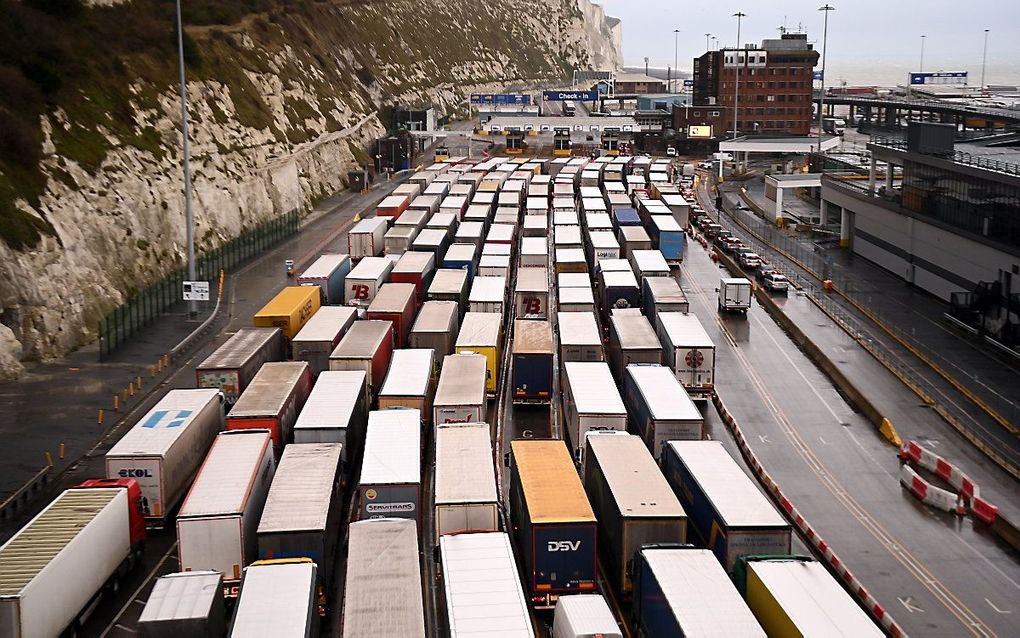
[328, 272]
[532, 361]
[668, 236]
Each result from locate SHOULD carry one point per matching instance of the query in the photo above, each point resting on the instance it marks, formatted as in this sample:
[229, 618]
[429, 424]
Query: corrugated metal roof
[410, 373]
[637, 484]
[392, 448]
[483, 590]
[480, 329]
[156, 432]
[666, 397]
[182, 596]
[363, 339]
[334, 397]
[300, 496]
[701, 594]
[327, 323]
[593, 388]
[461, 381]
[532, 336]
[225, 478]
[735, 497]
[383, 593]
[39, 542]
[464, 467]
[269, 389]
[552, 489]
[239, 347]
[684, 330]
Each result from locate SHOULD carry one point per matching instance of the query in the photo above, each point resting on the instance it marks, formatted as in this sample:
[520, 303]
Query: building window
[782, 85]
[770, 98]
[714, 114]
[759, 98]
[697, 114]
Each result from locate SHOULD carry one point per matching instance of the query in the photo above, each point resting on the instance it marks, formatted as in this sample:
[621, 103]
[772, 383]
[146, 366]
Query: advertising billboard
[941, 77]
[500, 98]
[563, 96]
[699, 131]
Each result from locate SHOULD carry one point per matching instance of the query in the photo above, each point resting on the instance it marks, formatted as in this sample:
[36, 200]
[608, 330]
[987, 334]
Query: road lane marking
[134, 596]
[1001, 611]
[908, 604]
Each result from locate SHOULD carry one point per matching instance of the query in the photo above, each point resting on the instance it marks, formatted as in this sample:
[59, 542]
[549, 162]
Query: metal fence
[816, 258]
[146, 305]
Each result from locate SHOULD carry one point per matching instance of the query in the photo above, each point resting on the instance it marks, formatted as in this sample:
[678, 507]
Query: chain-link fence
[145, 306]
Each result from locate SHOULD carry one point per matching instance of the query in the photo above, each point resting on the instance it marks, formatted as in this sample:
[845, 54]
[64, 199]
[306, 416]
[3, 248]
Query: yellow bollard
[131, 389]
[123, 396]
[49, 459]
[99, 417]
[116, 402]
[138, 380]
[61, 451]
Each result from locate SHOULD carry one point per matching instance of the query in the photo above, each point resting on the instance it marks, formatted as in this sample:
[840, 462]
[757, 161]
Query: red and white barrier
[923, 457]
[930, 494]
[821, 547]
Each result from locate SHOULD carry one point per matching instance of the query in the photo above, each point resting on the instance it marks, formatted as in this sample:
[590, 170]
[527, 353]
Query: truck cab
[136, 514]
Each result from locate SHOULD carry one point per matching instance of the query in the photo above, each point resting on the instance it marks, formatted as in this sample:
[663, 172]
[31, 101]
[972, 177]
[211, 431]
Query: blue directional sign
[500, 98]
[563, 96]
[817, 75]
[941, 77]
[688, 82]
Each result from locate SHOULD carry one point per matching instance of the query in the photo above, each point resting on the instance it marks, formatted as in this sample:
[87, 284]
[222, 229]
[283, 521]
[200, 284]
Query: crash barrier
[954, 476]
[930, 494]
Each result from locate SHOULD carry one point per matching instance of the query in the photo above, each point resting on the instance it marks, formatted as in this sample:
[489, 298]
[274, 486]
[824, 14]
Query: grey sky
[866, 37]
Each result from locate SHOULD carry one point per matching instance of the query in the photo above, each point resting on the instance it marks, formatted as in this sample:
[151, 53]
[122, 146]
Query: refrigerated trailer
[216, 527]
[728, 514]
[383, 588]
[278, 598]
[163, 450]
[482, 587]
[631, 500]
[659, 407]
[591, 401]
[688, 351]
[230, 367]
[321, 335]
[532, 361]
[684, 592]
[367, 346]
[56, 569]
[553, 521]
[460, 394]
[336, 412]
[389, 485]
[273, 400]
[328, 273]
[465, 480]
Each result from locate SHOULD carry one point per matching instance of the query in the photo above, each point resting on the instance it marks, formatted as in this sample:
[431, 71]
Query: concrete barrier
[15, 502]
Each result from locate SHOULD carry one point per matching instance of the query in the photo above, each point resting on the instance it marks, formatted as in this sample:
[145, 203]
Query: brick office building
[774, 94]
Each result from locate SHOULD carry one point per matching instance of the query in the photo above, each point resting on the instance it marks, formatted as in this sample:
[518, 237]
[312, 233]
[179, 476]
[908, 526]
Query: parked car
[776, 282]
[750, 260]
[763, 272]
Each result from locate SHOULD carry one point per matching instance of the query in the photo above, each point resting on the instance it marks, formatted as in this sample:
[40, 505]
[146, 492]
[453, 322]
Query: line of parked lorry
[382, 361]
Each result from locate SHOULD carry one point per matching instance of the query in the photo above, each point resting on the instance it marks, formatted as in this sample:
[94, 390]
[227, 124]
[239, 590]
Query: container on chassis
[482, 586]
[570, 260]
[689, 352]
[584, 616]
[279, 598]
[591, 401]
[488, 294]
[494, 266]
[392, 206]
[553, 521]
[231, 367]
[618, 290]
[383, 590]
[398, 240]
[367, 346]
[462, 256]
[633, 238]
[576, 300]
[303, 509]
[480, 333]
[796, 596]
[436, 327]
[395, 302]
[389, 485]
[320, 336]
[460, 394]
[367, 237]
[216, 527]
[184, 604]
[662, 294]
[450, 285]
[631, 500]
[465, 485]
[684, 592]
[55, 569]
[534, 252]
[726, 511]
[532, 361]
[364, 281]
[631, 340]
[668, 237]
[580, 339]
[531, 295]
[647, 264]
[659, 407]
[409, 382]
[273, 400]
[328, 273]
[336, 412]
[163, 450]
[289, 310]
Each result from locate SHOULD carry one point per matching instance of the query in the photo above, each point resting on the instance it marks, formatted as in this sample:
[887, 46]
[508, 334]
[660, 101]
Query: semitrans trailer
[415, 268]
[321, 335]
[163, 450]
[465, 480]
[328, 273]
[278, 598]
[662, 294]
[480, 333]
[436, 328]
[367, 346]
[273, 400]
[336, 412]
[450, 285]
[409, 382]
[579, 336]
[531, 293]
[365, 279]
[184, 604]
[366, 238]
[389, 485]
[532, 361]
[395, 303]
[631, 340]
[289, 310]
[460, 394]
[689, 352]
